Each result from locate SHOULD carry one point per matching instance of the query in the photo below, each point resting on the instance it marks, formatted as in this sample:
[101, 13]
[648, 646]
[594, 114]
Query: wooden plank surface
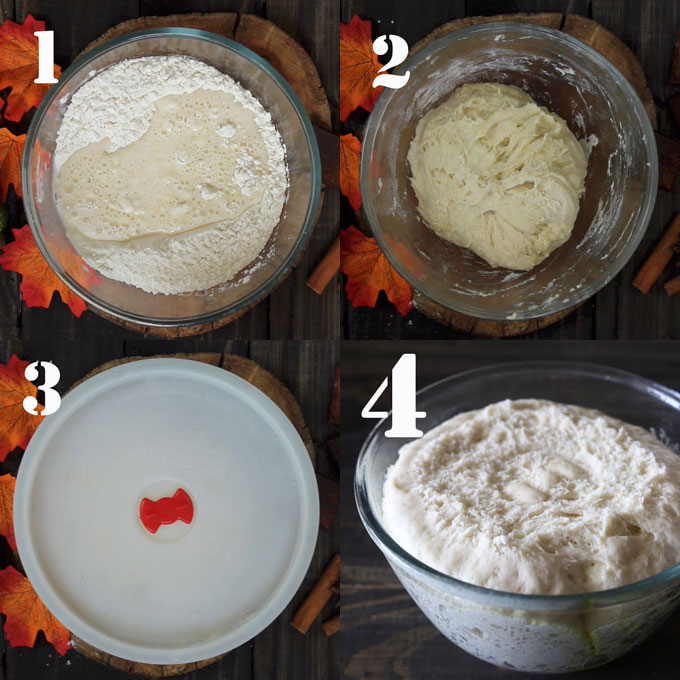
[648, 27]
[306, 363]
[384, 634]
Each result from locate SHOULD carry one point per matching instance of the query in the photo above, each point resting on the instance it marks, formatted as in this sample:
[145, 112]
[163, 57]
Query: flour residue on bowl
[170, 176]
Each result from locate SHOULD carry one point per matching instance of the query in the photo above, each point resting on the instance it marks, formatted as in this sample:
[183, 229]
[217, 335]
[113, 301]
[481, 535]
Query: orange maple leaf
[350, 153]
[368, 272]
[19, 66]
[359, 65]
[16, 425]
[26, 614]
[11, 148]
[7, 484]
[38, 281]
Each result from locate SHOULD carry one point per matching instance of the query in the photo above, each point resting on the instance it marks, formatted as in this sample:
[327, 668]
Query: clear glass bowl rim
[312, 209]
[488, 596]
[649, 191]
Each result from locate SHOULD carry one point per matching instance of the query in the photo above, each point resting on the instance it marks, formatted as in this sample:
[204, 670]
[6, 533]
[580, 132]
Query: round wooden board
[607, 44]
[470, 324]
[271, 386]
[286, 55]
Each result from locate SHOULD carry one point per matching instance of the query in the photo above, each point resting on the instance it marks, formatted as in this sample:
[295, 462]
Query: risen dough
[531, 496]
[496, 173]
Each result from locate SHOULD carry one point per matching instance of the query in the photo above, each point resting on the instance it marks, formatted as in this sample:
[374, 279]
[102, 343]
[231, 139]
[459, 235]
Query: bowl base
[148, 670]
[485, 327]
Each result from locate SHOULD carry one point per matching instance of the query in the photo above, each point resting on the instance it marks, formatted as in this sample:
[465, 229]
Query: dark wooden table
[649, 28]
[384, 635]
[303, 351]
[292, 310]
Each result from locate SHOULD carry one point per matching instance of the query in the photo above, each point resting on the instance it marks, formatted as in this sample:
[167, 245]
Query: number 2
[399, 54]
[404, 412]
[52, 398]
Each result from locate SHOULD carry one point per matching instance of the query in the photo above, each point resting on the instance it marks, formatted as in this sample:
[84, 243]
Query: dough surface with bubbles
[534, 496]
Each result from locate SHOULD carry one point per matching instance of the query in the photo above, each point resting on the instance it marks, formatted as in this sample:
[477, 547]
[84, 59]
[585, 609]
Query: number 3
[404, 412]
[52, 398]
[399, 54]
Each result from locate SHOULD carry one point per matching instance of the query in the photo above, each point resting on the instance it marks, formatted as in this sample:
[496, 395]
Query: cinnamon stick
[332, 626]
[317, 598]
[673, 286]
[326, 269]
[675, 67]
[660, 257]
[334, 410]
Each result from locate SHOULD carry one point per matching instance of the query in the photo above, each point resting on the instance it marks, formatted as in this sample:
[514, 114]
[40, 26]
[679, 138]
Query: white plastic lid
[195, 587]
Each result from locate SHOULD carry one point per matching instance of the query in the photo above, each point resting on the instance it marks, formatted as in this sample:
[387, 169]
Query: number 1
[45, 58]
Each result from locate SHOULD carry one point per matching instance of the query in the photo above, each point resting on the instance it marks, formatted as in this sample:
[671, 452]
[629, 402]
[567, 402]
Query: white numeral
[399, 54]
[45, 58]
[404, 412]
[52, 398]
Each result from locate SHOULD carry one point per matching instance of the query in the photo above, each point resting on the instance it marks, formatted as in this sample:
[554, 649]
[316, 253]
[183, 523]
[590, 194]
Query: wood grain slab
[263, 37]
[607, 44]
[474, 326]
[249, 370]
[286, 55]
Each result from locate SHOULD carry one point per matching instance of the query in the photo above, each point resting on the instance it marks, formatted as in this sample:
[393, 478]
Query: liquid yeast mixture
[211, 171]
[177, 191]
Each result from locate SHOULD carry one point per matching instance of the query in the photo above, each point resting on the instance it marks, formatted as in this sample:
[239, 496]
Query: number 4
[404, 412]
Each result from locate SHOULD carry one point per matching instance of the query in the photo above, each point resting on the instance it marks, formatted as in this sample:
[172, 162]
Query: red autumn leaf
[7, 484]
[19, 66]
[369, 271]
[16, 425]
[11, 148]
[350, 153]
[26, 614]
[359, 65]
[38, 281]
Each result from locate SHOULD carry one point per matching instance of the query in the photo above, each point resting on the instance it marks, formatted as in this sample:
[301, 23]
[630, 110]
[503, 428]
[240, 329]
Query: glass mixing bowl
[537, 633]
[571, 80]
[284, 247]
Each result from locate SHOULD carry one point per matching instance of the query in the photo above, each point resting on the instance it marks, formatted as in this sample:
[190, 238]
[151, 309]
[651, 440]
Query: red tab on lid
[168, 510]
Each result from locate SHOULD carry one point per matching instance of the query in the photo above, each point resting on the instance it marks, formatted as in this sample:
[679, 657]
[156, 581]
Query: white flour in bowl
[531, 496]
[170, 176]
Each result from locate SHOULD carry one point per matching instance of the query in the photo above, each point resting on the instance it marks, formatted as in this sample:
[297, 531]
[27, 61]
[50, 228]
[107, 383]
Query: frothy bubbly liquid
[201, 161]
[165, 186]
